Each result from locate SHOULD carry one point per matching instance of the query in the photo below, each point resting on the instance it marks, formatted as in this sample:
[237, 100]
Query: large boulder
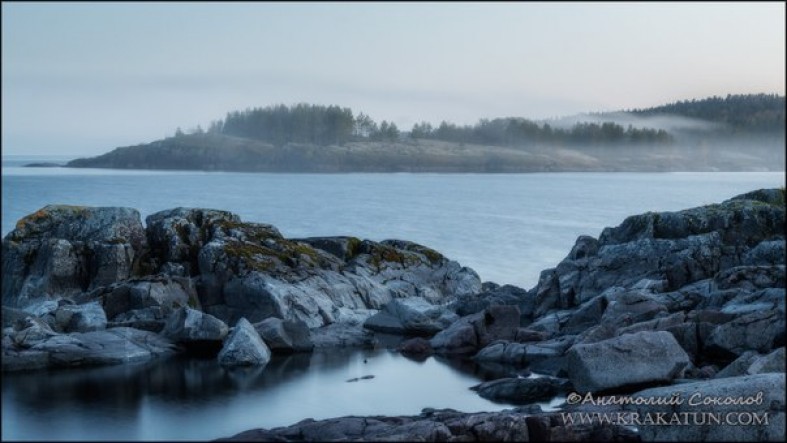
[630, 359]
[64, 250]
[244, 347]
[748, 408]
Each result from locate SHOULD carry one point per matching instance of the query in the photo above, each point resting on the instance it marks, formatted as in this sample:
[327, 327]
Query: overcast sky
[84, 78]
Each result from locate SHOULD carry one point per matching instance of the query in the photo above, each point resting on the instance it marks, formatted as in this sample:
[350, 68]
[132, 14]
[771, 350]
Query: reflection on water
[197, 399]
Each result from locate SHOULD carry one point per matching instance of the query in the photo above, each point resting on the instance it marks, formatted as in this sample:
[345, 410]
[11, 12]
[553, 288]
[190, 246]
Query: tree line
[738, 113]
[333, 125]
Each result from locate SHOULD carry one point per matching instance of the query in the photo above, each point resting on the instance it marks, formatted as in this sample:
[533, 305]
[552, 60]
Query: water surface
[196, 399]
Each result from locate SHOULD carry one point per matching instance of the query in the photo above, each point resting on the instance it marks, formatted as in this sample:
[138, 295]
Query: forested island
[734, 133]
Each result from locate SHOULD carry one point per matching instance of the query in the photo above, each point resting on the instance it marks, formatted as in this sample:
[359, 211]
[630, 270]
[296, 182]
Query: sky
[84, 78]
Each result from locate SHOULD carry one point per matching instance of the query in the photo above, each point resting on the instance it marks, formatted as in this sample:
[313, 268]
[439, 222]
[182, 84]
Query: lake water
[507, 227]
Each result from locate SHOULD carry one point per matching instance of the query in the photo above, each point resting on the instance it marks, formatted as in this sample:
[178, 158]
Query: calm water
[507, 227]
[181, 399]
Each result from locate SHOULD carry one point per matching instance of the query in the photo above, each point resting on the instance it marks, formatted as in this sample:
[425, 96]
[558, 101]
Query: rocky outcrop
[192, 273]
[250, 270]
[666, 251]
[713, 277]
[65, 250]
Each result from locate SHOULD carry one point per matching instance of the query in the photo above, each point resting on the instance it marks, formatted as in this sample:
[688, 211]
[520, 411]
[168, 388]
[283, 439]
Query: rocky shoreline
[687, 305]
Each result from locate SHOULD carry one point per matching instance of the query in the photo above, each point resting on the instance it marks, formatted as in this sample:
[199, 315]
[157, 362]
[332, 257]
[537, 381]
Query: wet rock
[244, 347]
[630, 359]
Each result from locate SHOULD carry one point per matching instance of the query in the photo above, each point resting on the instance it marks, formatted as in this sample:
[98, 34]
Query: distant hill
[743, 132]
